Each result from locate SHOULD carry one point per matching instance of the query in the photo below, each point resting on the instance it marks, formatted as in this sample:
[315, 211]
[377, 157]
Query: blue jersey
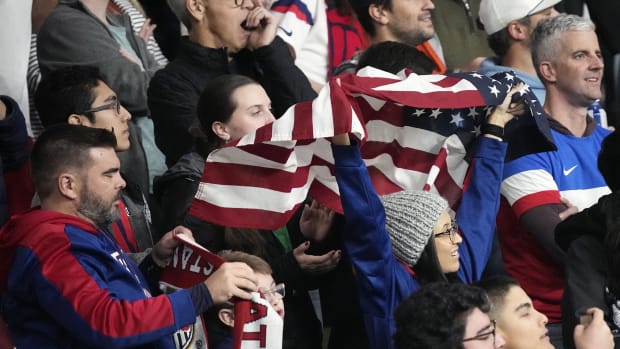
[542, 179]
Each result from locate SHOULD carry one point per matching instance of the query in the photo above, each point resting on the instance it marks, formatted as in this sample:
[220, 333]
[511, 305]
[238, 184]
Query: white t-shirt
[15, 28]
[303, 25]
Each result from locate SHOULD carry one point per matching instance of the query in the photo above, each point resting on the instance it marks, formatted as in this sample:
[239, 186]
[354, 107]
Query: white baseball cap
[496, 14]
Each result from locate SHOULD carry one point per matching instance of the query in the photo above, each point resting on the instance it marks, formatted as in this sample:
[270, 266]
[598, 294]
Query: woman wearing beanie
[401, 241]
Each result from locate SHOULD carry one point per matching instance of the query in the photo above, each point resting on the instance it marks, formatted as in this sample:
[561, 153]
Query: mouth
[455, 254]
[593, 80]
[426, 17]
[545, 336]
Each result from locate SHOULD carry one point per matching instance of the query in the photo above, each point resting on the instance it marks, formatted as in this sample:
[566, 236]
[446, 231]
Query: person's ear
[378, 14]
[227, 316]
[76, 119]
[517, 31]
[68, 185]
[547, 71]
[220, 130]
[196, 9]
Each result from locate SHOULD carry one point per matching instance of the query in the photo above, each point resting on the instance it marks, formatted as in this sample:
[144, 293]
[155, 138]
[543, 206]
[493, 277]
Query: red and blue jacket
[66, 284]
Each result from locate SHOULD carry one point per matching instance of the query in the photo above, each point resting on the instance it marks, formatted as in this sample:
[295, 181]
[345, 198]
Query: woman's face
[447, 243]
[253, 111]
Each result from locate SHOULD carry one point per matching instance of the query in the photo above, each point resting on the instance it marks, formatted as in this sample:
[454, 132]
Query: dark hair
[247, 240]
[436, 316]
[609, 160]
[64, 147]
[343, 6]
[64, 92]
[216, 104]
[497, 287]
[500, 41]
[394, 56]
[361, 11]
[427, 268]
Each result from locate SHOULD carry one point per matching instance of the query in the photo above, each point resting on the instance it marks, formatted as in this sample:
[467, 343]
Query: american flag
[415, 132]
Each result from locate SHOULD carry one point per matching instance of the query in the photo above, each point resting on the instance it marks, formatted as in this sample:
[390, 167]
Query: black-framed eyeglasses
[277, 292]
[451, 232]
[483, 336]
[115, 105]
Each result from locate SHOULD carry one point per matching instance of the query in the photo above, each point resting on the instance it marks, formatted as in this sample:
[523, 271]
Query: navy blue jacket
[14, 148]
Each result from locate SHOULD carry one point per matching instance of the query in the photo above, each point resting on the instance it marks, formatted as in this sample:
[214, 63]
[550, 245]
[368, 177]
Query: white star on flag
[456, 119]
[435, 113]
[472, 112]
[494, 90]
[418, 112]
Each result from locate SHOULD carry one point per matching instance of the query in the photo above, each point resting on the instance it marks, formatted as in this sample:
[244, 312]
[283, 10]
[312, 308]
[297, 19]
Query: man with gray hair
[537, 189]
[225, 37]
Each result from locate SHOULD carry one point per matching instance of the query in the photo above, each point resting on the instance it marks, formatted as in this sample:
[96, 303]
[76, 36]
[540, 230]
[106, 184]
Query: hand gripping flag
[415, 132]
[257, 325]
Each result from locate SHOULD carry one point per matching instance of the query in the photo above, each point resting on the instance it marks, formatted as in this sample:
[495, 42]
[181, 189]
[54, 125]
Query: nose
[249, 4]
[125, 114]
[269, 118]
[554, 12]
[457, 238]
[430, 6]
[121, 182]
[597, 63]
[544, 319]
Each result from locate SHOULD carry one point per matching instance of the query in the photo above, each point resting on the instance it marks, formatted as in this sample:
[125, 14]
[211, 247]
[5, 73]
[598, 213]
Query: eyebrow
[522, 306]
[111, 170]
[111, 98]
[484, 329]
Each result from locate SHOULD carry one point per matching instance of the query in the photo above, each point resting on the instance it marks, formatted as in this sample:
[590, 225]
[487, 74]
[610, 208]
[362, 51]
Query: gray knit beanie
[410, 217]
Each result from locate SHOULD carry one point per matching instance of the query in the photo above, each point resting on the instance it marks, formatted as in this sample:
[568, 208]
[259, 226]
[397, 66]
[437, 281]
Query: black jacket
[174, 91]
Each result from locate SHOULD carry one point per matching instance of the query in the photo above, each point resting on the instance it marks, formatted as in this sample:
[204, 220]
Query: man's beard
[414, 38]
[93, 207]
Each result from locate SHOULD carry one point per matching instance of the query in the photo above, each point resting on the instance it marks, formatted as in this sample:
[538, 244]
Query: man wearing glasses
[79, 96]
[225, 37]
[446, 316]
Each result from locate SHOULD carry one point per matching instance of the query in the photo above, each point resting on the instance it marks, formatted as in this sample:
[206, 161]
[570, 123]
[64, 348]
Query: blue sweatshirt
[491, 66]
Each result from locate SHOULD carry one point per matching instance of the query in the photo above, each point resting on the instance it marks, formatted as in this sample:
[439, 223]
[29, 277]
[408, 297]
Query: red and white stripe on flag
[261, 179]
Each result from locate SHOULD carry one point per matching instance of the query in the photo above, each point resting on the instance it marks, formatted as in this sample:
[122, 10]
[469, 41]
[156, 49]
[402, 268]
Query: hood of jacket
[491, 66]
[28, 228]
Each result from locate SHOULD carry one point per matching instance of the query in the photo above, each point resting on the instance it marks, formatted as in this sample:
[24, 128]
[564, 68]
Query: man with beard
[405, 21]
[66, 283]
[78, 95]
